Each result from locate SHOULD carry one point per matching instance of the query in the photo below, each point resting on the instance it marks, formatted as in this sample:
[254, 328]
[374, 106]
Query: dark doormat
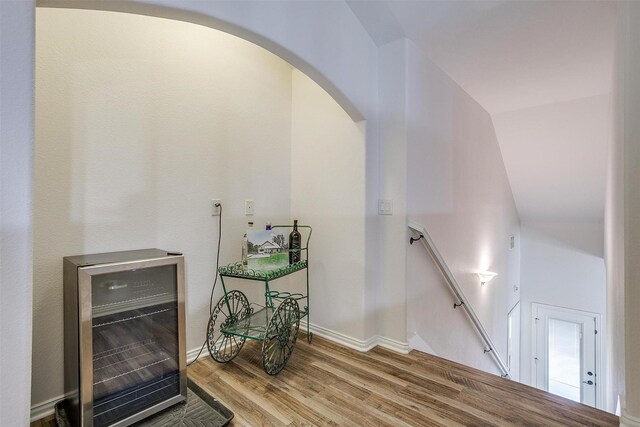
[200, 410]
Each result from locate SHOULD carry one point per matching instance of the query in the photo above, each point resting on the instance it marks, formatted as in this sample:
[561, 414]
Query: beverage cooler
[125, 356]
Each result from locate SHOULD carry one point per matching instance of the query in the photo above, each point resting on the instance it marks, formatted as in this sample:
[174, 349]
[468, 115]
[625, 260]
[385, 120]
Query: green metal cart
[276, 324]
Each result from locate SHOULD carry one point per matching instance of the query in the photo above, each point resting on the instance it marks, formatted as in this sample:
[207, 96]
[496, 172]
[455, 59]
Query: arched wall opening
[141, 121]
[248, 27]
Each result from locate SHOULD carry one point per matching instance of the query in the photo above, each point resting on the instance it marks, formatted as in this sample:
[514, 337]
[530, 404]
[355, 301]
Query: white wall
[458, 189]
[562, 265]
[140, 122]
[392, 103]
[348, 70]
[16, 143]
[554, 150]
[327, 191]
[325, 41]
[291, 29]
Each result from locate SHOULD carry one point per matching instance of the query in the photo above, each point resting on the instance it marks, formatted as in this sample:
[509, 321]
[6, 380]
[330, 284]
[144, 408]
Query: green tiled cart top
[242, 272]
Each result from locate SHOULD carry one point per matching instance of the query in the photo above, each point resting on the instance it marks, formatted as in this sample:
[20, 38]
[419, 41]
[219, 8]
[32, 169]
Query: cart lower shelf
[233, 322]
[254, 327]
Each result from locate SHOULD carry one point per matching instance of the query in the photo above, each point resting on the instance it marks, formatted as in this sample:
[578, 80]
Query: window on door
[564, 358]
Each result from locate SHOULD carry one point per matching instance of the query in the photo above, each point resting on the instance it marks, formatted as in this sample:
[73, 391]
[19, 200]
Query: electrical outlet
[248, 207]
[215, 210]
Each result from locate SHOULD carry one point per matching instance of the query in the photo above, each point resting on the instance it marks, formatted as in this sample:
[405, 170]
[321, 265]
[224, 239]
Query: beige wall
[327, 191]
[614, 242]
[141, 121]
[630, 98]
[290, 29]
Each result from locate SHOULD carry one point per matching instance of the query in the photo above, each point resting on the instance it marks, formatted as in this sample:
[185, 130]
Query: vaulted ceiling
[541, 69]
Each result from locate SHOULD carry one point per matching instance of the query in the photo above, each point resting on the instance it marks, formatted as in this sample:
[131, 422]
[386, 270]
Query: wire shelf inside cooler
[132, 315]
[133, 376]
[133, 348]
[142, 300]
[119, 295]
[135, 358]
[117, 406]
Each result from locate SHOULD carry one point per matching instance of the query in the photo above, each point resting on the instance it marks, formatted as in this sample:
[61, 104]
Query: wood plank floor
[327, 384]
[49, 421]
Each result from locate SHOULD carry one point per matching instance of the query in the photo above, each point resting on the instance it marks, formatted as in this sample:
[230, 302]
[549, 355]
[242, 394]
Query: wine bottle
[295, 240]
[245, 247]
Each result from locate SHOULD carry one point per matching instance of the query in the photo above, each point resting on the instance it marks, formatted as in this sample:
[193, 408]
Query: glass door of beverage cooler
[131, 338]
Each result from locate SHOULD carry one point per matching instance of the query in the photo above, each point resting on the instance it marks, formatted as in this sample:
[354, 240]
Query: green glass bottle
[295, 240]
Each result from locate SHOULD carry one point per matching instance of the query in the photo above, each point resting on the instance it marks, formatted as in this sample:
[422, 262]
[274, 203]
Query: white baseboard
[397, 346]
[46, 408]
[357, 344]
[191, 354]
[337, 337]
[340, 338]
[627, 420]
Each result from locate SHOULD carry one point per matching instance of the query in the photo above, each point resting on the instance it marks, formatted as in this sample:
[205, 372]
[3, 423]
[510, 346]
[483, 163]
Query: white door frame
[513, 359]
[599, 383]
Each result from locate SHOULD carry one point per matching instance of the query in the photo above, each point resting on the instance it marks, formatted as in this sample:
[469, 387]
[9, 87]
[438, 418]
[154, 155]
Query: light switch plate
[385, 207]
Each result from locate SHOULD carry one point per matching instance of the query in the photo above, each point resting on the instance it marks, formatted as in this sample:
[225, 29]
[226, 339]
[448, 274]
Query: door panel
[565, 352]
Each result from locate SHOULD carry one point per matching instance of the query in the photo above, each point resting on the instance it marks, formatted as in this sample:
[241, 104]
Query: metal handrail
[426, 241]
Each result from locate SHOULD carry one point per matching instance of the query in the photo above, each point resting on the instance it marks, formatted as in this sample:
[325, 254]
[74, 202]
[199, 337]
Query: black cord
[215, 280]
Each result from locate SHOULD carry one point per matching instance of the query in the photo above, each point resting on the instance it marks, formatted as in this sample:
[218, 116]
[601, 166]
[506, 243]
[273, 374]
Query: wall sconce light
[486, 276]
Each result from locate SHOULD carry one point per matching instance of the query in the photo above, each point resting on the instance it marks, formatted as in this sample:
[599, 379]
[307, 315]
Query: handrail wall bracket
[411, 240]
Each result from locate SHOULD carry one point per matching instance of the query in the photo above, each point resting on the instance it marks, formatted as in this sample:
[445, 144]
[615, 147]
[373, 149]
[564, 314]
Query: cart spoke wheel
[232, 307]
[280, 336]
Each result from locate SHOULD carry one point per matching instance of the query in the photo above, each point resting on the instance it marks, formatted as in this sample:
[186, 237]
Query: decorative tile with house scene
[267, 250]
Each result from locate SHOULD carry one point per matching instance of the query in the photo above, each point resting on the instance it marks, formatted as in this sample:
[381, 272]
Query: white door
[565, 358]
[513, 342]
